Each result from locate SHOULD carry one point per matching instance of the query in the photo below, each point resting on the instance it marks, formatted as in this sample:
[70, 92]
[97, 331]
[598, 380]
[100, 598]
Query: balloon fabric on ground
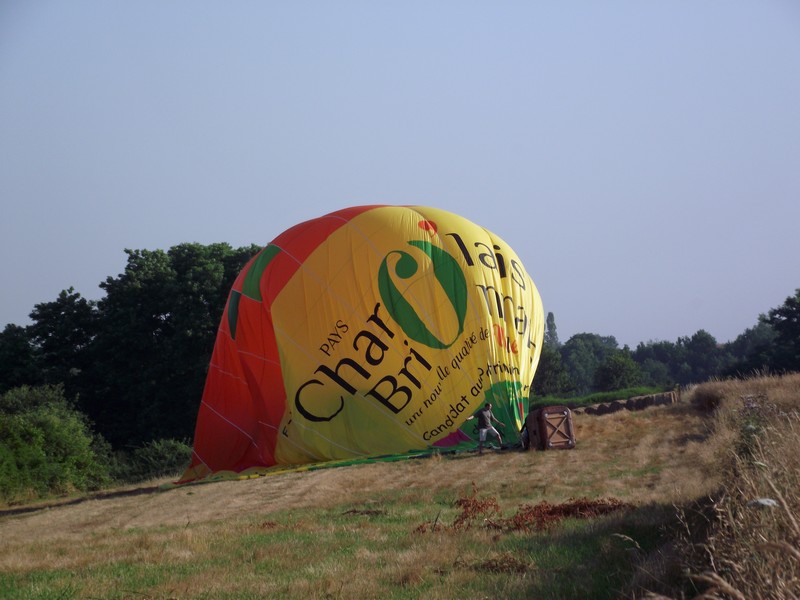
[369, 331]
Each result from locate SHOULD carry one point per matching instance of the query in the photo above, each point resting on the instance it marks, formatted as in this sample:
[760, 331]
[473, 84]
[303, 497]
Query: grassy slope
[385, 529]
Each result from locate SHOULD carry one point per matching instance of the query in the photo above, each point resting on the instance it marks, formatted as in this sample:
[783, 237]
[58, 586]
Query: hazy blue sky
[642, 157]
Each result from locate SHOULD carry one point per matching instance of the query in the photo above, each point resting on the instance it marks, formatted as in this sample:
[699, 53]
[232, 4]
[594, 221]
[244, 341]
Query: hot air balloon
[370, 331]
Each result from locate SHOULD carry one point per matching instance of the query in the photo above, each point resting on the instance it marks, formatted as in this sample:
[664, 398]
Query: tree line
[131, 366]
[135, 361]
[588, 362]
[97, 391]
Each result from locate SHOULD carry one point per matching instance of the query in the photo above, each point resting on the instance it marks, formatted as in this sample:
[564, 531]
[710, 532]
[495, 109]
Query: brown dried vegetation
[527, 518]
[545, 515]
[744, 541]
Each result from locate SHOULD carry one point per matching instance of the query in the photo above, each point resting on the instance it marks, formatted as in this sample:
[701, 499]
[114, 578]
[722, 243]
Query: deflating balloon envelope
[369, 331]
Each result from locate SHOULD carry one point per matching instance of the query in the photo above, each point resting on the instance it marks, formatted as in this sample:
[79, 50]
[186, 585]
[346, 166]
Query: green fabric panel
[250, 287]
[233, 312]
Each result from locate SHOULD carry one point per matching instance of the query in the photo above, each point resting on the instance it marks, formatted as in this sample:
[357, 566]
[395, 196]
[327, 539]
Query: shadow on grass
[621, 555]
[104, 495]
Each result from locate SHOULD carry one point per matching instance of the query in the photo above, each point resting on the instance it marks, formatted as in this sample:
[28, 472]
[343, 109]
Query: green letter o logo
[449, 276]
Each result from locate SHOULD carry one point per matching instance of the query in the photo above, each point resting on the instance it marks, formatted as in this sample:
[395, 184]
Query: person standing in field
[485, 419]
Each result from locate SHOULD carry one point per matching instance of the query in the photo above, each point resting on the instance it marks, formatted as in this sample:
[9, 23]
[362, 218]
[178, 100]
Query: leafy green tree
[582, 354]
[62, 333]
[785, 321]
[661, 362]
[752, 350]
[18, 365]
[550, 333]
[704, 358]
[618, 371]
[158, 325]
[551, 378]
[655, 373]
[752, 340]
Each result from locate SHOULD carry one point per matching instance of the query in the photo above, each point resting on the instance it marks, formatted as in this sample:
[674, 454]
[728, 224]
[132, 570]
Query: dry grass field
[386, 529]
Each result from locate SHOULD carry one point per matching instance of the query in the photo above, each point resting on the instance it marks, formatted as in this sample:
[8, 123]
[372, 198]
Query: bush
[709, 396]
[46, 446]
[158, 458]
